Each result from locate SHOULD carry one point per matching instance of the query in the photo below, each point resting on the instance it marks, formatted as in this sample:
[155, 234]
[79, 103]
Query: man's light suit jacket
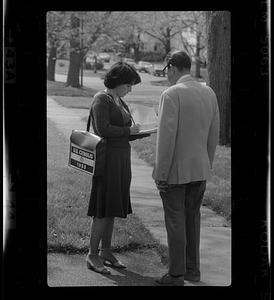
[188, 132]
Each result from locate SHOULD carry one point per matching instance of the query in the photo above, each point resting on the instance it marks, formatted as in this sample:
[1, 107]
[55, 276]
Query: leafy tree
[195, 22]
[52, 56]
[163, 26]
[77, 32]
[80, 32]
[86, 28]
[56, 39]
[77, 51]
[124, 31]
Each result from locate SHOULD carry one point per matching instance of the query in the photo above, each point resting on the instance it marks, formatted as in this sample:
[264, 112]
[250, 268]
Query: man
[186, 141]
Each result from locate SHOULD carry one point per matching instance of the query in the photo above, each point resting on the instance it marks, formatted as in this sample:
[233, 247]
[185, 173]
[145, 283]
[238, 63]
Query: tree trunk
[219, 68]
[137, 47]
[136, 52]
[75, 53]
[167, 42]
[74, 70]
[51, 63]
[197, 58]
[95, 64]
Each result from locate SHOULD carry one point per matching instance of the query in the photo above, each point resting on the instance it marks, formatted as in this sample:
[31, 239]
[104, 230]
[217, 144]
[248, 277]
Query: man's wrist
[160, 181]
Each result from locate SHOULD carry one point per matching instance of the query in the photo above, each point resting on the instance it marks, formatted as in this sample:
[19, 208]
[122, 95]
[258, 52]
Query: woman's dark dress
[110, 194]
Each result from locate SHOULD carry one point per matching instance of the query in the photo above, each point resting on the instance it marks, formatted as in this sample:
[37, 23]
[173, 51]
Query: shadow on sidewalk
[129, 278]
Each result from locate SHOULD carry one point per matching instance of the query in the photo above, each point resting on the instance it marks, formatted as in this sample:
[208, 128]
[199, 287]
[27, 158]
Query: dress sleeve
[100, 112]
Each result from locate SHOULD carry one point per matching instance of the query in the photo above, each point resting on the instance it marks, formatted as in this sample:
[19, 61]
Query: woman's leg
[106, 253]
[93, 260]
[98, 228]
[107, 234]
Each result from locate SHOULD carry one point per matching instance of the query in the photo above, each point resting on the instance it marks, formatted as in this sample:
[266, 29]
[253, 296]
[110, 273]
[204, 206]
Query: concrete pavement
[66, 270]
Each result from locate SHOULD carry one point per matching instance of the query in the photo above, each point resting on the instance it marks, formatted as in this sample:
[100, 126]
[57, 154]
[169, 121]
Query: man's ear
[173, 70]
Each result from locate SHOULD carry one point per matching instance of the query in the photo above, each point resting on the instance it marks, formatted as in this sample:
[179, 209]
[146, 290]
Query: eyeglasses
[167, 66]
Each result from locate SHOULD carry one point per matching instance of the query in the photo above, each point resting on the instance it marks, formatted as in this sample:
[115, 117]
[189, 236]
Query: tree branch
[155, 36]
[187, 47]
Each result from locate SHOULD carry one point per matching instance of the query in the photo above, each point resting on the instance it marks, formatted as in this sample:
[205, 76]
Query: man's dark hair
[121, 73]
[179, 59]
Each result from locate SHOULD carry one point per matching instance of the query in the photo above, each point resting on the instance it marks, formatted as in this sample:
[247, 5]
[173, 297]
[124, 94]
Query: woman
[110, 194]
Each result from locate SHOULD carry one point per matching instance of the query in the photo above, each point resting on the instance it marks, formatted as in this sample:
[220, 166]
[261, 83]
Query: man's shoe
[167, 279]
[192, 277]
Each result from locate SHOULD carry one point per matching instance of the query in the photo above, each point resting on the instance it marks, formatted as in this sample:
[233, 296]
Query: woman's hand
[134, 129]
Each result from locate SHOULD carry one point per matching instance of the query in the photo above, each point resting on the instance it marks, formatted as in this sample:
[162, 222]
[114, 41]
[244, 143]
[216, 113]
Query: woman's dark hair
[121, 73]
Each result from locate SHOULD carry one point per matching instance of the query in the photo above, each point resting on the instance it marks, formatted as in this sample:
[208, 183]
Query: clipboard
[146, 131]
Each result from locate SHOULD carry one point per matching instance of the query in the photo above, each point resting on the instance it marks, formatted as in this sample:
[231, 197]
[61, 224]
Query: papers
[146, 117]
[148, 131]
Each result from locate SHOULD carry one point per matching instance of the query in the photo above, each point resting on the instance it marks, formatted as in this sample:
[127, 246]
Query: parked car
[89, 63]
[130, 61]
[90, 58]
[145, 66]
[158, 70]
[104, 56]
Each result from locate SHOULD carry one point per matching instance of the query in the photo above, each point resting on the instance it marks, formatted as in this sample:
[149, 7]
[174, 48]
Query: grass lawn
[62, 66]
[218, 192]
[68, 225]
[56, 88]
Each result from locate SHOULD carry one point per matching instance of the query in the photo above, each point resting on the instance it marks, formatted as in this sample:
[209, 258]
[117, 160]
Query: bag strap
[124, 105]
[89, 117]
[88, 124]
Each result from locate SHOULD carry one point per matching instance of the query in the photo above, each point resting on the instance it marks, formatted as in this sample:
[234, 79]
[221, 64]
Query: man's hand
[162, 186]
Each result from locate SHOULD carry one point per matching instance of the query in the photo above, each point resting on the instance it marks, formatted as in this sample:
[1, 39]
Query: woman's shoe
[96, 265]
[110, 260]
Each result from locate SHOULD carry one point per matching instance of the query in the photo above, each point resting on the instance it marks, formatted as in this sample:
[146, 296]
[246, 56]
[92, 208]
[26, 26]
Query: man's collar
[183, 78]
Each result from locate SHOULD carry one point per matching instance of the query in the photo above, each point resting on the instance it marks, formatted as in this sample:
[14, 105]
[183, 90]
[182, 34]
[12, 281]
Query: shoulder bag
[87, 151]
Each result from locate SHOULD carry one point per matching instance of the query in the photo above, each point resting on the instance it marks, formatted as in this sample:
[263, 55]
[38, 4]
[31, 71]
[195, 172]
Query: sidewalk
[69, 270]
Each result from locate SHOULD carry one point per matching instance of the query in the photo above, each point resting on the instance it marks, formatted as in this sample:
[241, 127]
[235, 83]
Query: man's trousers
[182, 204]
